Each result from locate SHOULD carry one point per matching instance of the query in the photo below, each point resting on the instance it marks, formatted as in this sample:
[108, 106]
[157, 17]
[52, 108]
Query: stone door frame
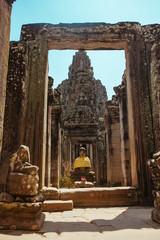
[99, 36]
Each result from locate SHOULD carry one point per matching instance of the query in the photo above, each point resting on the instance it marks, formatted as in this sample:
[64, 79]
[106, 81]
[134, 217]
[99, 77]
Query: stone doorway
[36, 40]
[110, 170]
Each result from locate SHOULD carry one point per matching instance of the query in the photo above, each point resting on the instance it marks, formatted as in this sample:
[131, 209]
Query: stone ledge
[101, 197]
[57, 206]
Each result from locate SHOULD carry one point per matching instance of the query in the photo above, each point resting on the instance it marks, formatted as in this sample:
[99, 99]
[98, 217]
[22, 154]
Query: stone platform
[101, 197]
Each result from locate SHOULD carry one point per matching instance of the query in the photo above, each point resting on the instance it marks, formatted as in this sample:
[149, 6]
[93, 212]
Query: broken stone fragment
[6, 197]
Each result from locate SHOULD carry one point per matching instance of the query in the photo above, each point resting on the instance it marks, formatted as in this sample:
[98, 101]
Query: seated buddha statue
[82, 167]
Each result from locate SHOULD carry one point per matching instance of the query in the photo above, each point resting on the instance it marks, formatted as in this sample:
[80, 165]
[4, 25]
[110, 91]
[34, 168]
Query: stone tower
[83, 107]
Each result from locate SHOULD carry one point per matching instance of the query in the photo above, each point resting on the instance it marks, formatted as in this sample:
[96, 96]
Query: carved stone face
[82, 153]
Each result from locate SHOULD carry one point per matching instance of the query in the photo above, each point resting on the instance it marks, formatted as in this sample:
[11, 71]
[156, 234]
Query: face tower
[83, 107]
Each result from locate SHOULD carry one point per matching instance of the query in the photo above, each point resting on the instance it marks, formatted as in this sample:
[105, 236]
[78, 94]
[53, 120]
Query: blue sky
[108, 65]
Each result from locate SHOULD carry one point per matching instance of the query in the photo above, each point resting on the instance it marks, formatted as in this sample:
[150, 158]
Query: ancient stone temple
[82, 122]
[120, 135]
[42, 130]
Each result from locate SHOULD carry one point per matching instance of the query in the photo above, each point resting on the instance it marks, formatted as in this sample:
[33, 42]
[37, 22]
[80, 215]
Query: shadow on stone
[132, 218]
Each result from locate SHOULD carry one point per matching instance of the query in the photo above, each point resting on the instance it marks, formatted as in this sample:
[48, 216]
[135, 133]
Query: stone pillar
[26, 102]
[36, 111]
[5, 14]
[139, 112]
[97, 163]
[114, 168]
[66, 150]
[48, 149]
[16, 100]
[155, 92]
[125, 145]
[101, 161]
[49, 122]
[56, 139]
[55, 149]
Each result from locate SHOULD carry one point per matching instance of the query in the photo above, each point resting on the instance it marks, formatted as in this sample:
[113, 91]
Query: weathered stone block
[23, 216]
[57, 206]
[22, 184]
[50, 193]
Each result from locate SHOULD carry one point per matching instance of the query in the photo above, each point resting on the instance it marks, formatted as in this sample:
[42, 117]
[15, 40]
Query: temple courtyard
[93, 223]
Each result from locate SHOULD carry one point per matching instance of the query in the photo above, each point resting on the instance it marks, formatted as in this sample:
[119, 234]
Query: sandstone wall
[15, 109]
[5, 13]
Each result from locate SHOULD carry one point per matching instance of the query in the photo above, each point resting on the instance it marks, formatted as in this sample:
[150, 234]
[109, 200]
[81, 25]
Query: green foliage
[66, 181]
